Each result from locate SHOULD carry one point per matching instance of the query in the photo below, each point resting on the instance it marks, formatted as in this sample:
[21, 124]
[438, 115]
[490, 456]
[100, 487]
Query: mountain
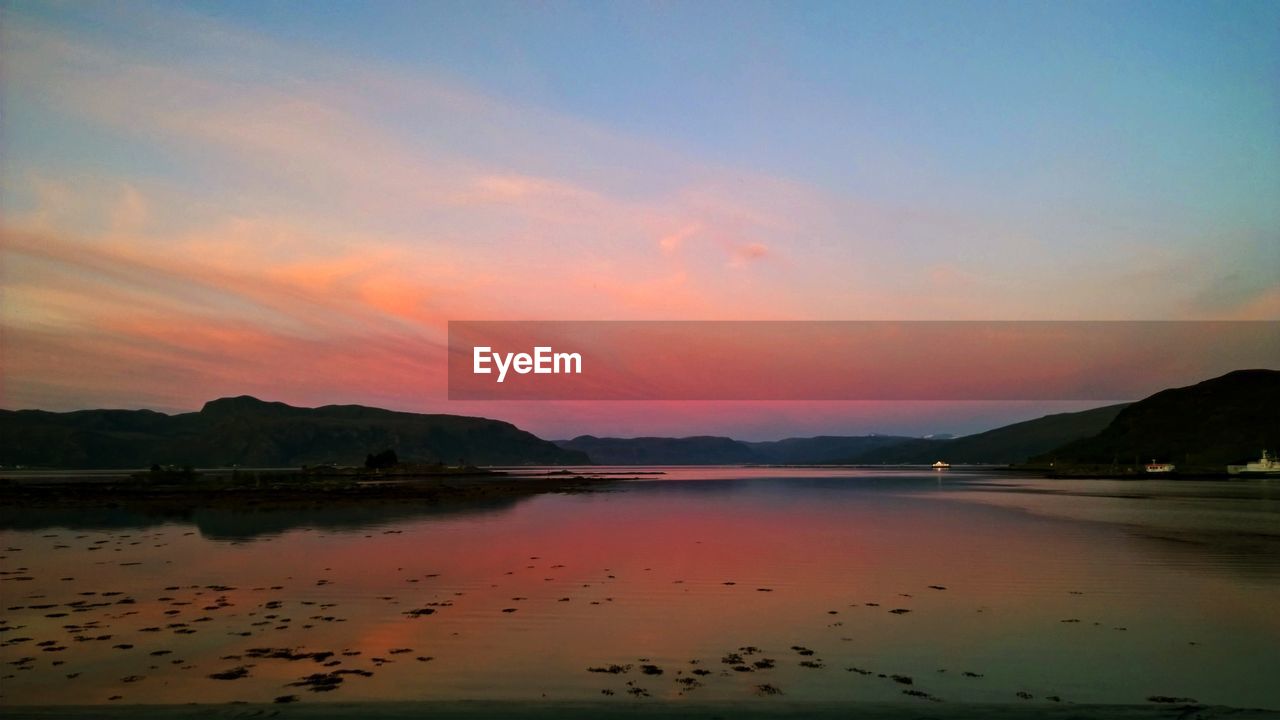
[1002, 446]
[1010, 444]
[821, 449]
[710, 450]
[1228, 419]
[701, 450]
[252, 433]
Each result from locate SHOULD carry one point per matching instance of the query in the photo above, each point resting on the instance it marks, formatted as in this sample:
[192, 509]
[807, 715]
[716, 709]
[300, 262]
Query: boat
[1159, 467]
[1268, 465]
[941, 465]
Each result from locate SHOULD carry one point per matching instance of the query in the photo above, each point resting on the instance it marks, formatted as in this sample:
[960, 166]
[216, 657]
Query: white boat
[941, 465]
[1268, 465]
[1156, 467]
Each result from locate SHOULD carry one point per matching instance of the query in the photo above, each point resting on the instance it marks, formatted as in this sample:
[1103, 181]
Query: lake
[701, 584]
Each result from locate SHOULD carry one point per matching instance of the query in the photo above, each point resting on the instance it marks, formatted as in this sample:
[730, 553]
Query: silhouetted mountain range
[711, 450]
[252, 433]
[1229, 419]
[821, 449]
[699, 450]
[1006, 445]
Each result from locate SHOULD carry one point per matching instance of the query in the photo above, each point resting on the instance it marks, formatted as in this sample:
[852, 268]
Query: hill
[249, 432]
[711, 450]
[700, 450]
[1229, 419]
[820, 449]
[1006, 445]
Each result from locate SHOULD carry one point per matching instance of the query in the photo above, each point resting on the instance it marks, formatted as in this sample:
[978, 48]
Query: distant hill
[821, 449]
[250, 432]
[701, 450]
[1006, 445]
[1229, 419]
[711, 450]
[1002, 446]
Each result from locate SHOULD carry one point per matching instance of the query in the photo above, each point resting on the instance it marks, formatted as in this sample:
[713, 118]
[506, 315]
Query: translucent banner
[846, 360]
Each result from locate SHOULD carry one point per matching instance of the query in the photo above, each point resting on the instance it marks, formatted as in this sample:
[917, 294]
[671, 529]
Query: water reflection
[841, 585]
[1229, 526]
[244, 523]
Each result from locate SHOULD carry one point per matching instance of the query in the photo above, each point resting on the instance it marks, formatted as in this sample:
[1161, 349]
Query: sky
[292, 200]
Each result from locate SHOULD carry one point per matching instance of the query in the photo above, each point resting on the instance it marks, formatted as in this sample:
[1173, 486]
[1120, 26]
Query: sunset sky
[291, 200]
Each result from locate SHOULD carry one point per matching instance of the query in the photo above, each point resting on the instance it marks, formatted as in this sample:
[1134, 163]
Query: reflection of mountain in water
[248, 523]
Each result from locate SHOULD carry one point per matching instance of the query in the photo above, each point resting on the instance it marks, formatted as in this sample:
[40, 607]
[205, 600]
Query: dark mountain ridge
[714, 450]
[1006, 445]
[821, 449]
[1203, 427]
[697, 450]
[1226, 420]
[253, 433]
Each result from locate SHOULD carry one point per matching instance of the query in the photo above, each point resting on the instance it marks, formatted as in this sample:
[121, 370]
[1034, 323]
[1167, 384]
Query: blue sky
[841, 93]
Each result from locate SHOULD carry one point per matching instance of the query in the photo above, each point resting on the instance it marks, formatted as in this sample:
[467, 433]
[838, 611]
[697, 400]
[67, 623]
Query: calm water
[974, 587]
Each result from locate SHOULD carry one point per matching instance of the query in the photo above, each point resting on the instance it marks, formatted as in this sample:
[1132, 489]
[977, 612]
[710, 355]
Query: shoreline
[1083, 472]
[772, 708]
[285, 489]
[260, 489]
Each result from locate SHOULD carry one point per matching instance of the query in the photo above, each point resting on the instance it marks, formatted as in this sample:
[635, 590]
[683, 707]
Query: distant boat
[1155, 467]
[941, 465]
[1268, 465]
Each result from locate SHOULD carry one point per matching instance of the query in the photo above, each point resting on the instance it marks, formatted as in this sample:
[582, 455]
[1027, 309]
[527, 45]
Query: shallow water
[1087, 591]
